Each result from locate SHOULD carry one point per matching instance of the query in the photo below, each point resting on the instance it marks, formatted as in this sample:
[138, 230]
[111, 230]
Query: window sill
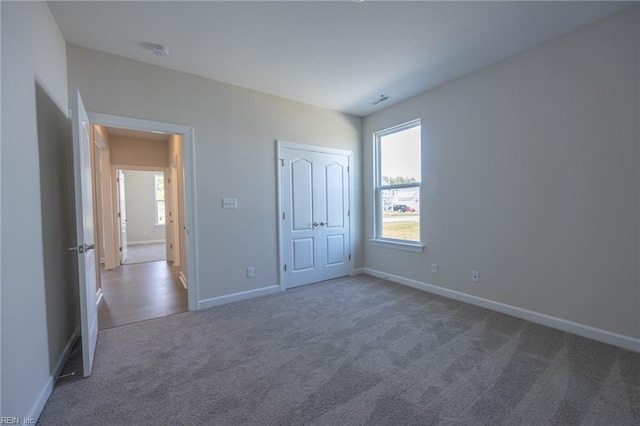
[398, 245]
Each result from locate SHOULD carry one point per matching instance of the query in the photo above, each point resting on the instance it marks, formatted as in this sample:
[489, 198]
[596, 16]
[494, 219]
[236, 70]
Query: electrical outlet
[434, 268]
[475, 276]
[229, 203]
[251, 272]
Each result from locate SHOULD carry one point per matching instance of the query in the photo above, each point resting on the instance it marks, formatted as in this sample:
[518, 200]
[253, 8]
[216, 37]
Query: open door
[122, 216]
[84, 231]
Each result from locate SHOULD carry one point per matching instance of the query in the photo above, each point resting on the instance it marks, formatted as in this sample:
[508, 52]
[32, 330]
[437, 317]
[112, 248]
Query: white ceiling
[336, 55]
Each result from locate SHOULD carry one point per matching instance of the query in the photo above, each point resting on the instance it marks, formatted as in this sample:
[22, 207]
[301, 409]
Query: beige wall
[235, 132]
[127, 151]
[39, 282]
[107, 222]
[176, 164]
[531, 171]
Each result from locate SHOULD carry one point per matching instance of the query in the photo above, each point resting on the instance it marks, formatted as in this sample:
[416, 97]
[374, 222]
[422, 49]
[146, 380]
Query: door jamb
[188, 147]
[280, 145]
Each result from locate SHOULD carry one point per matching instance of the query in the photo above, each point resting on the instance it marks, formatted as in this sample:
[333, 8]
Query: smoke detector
[159, 50]
[381, 99]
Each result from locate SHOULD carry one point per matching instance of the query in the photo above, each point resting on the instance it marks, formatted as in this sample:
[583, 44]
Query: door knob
[82, 248]
[78, 249]
[315, 223]
[323, 224]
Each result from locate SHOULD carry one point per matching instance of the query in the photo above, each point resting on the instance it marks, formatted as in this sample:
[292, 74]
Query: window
[397, 184]
[158, 179]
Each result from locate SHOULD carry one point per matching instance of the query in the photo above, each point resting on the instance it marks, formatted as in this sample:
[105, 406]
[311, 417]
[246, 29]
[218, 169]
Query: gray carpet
[353, 351]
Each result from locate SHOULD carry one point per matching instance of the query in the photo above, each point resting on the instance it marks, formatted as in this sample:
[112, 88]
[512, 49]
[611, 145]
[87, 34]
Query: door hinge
[285, 267]
[118, 180]
[282, 162]
[170, 246]
[348, 169]
[169, 180]
[118, 214]
[349, 213]
[120, 248]
[349, 257]
[284, 215]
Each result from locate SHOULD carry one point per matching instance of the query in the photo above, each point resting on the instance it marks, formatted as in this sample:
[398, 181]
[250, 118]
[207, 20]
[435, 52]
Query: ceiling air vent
[381, 99]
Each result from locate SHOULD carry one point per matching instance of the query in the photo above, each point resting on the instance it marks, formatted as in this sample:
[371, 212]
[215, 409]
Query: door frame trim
[115, 189]
[282, 144]
[188, 147]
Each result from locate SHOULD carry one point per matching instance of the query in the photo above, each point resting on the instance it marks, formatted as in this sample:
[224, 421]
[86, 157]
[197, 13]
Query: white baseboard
[221, 300]
[40, 402]
[626, 342]
[358, 271]
[141, 243]
[183, 280]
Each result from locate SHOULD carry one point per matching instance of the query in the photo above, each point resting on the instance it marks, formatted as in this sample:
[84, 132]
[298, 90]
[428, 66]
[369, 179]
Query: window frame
[156, 200]
[378, 187]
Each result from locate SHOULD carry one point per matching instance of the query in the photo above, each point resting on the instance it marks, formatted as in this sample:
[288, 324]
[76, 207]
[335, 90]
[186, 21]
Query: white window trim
[398, 244]
[378, 240]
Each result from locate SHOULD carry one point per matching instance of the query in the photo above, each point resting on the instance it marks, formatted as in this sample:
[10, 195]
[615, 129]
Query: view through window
[398, 183]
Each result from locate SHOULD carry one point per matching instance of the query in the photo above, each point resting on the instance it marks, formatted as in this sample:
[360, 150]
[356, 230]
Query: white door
[122, 216]
[315, 216]
[85, 232]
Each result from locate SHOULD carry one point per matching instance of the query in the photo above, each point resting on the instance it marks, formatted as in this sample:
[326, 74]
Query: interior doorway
[141, 241]
[142, 209]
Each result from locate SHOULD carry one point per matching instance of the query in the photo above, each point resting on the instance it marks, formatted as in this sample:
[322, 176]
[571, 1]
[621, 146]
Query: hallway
[139, 292]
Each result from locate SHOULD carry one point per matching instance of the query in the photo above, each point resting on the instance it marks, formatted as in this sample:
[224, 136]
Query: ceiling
[336, 55]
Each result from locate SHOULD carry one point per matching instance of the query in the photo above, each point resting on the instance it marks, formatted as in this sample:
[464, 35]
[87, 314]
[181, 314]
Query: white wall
[141, 207]
[235, 133]
[531, 177]
[39, 291]
[0, 216]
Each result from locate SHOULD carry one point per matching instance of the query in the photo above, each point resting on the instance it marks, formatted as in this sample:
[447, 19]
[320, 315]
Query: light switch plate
[229, 203]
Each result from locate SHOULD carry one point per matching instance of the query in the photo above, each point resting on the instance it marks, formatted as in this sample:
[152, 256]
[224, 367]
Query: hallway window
[159, 195]
[397, 184]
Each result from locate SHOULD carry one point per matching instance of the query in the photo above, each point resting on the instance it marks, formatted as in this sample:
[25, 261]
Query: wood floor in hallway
[139, 292]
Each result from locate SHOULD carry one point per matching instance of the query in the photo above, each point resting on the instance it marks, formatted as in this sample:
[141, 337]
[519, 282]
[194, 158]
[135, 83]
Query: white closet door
[315, 222]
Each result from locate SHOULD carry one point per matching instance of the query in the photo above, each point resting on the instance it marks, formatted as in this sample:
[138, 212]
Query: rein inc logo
[17, 421]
